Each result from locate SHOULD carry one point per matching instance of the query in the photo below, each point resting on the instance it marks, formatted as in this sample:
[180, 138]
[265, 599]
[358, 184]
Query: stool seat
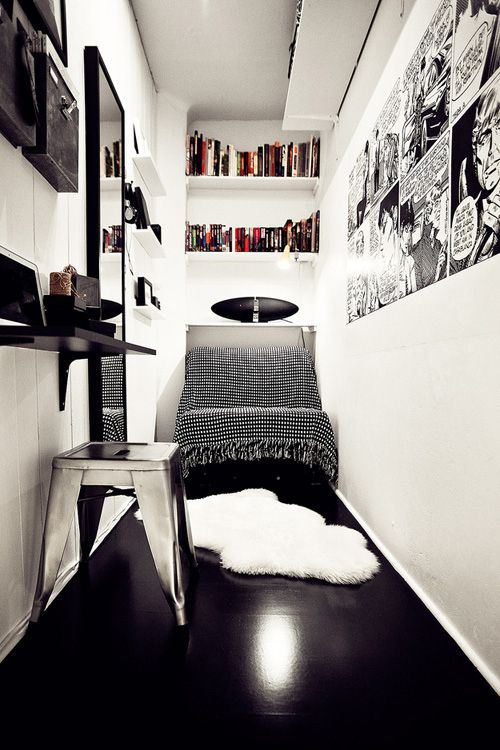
[153, 470]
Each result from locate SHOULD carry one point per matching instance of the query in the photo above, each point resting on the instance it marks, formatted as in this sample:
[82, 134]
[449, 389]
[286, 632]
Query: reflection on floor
[281, 662]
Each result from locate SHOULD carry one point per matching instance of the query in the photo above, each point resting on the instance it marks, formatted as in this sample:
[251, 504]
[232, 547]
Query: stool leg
[159, 515]
[61, 506]
[185, 535]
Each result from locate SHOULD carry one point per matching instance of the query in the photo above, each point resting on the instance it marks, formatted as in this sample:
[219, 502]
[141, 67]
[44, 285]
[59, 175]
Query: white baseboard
[440, 616]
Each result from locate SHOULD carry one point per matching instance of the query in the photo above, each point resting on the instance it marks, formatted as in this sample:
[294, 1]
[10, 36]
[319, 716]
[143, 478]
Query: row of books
[206, 156]
[112, 239]
[300, 236]
[111, 160]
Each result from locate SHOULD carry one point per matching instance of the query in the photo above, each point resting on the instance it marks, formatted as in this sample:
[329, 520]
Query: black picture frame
[142, 218]
[50, 18]
[144, 291]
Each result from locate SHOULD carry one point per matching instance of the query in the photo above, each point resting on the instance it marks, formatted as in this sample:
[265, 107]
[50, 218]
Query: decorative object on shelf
[64, 308]
[85, 287]
[60, 283]
[142, 217]
[55, 154]
[138, 137]
[49, 16]
[144, 291]
[110, 309]
[20, 290]
[157, 230]
[130, 211]
[18, 105]
[254, 309]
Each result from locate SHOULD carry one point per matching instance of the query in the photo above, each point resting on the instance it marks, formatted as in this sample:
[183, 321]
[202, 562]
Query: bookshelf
[149, 241]
[111, 183]
[203, 182]
[253, 257]
[150, 311]
[111, 258]
[149, 174]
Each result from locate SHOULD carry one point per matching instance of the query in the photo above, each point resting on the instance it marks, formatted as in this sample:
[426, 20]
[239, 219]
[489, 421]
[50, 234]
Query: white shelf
[203, 182]
[111, 257]
[149, 174]
[111, 183]
[149, 241]
[310, 327]
[329, 41]
[255, 257]
[149, 311]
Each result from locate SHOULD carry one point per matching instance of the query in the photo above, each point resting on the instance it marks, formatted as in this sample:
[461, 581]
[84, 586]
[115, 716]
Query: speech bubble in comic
[427, 172]
[464, 229]
[470, 62]
[442, 25]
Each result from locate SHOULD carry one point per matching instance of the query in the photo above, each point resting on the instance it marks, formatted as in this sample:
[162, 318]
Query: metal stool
[153, 470]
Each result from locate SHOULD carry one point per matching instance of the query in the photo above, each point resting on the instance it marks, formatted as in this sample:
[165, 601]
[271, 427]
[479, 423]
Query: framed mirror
[105, 159]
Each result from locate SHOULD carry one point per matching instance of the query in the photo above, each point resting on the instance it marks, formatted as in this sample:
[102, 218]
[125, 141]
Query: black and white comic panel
[383, 271]
[476, 54]
[384, 156]
[358, 200]
[426, 89]
[357, 273]
[424, 220]
[475, 190]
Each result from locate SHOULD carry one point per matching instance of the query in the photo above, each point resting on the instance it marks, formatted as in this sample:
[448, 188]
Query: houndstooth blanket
[251, 403]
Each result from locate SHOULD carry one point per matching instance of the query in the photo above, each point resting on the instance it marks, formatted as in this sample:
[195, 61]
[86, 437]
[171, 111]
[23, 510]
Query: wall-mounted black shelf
[71, 343]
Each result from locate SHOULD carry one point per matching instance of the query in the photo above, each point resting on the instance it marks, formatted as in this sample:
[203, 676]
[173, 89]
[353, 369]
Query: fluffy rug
[254, 533]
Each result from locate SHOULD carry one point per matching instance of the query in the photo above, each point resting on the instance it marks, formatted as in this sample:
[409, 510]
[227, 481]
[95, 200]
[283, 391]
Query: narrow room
[250, 353]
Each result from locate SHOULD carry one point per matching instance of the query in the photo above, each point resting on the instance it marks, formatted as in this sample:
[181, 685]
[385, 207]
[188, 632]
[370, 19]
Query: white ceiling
[225, 59]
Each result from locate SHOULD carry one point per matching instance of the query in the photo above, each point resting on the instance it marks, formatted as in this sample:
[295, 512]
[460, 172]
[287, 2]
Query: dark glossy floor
[267, 660]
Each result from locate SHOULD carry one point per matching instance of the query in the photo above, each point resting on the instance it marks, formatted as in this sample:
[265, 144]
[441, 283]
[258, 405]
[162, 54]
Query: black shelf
[71, 343]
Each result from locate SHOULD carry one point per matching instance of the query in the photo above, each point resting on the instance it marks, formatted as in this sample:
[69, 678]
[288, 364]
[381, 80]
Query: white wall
[49, 228]
[412, 390]
[170, 273]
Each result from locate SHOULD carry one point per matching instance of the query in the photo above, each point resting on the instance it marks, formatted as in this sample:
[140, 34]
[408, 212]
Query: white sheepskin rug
[255, 533]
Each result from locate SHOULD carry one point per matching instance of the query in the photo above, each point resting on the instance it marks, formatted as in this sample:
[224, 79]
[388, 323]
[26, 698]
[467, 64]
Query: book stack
[301, 236]
[208, 238]
[111, 160]
[112, 240]
[206, 156]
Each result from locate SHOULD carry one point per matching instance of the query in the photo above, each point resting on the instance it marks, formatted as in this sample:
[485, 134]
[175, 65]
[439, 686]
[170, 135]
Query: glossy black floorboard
[266, 661]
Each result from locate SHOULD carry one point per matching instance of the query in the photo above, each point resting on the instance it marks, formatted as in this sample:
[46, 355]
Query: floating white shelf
[150, 242]
[111, 183]
[149, 174]
[311, 327]
[216, 257]
[329, 41]
[111, 257]
[150, 311]
[202, 182]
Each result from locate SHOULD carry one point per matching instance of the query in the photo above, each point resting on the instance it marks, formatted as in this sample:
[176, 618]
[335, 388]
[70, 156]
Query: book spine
[295, 160]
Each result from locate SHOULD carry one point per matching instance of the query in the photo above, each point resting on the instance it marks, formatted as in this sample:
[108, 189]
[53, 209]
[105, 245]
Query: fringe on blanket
[303, 451]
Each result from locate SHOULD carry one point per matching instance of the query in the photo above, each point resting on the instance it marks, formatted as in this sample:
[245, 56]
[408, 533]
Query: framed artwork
[49, 17]
[144, 291]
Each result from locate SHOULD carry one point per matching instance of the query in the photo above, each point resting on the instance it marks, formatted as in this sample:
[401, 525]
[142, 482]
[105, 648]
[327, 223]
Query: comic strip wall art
[475, 195]
[437, 211]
